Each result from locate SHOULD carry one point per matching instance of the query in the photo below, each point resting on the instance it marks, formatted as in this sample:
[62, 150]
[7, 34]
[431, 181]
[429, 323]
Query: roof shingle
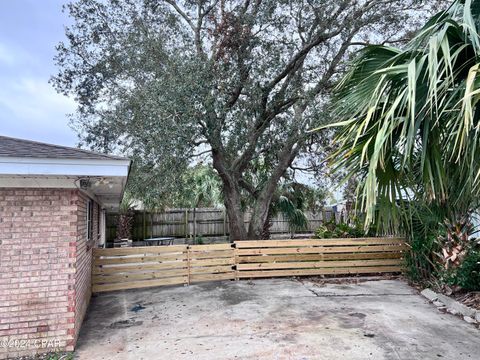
[12, 147]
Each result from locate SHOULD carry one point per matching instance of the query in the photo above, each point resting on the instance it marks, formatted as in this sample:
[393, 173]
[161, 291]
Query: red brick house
[53, 201]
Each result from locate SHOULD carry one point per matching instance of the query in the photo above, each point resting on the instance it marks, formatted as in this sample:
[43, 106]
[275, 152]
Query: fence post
[224, 222]
[235, 255]
[194, 225]
[144, 226]
[186, 225]
[151, 224]
[188, 265]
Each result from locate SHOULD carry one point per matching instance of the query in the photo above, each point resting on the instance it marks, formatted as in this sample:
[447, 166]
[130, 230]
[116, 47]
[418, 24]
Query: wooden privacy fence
[138, 267]
[206, 222]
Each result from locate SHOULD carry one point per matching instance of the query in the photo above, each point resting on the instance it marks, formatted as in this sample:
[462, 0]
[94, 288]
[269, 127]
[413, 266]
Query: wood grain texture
[130, 268]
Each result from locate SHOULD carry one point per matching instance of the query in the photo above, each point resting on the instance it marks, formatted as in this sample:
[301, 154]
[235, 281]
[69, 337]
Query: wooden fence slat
[202, 248]
[318, 264]
[211, 269]
[137, 259]
[325, 271]
[211, 254]
[211, 277]
[138, 284]
[141, 250]
[316, 242]
[319, 257]
[115, 278]
[316, 250]
[116, 269]
[210, 262]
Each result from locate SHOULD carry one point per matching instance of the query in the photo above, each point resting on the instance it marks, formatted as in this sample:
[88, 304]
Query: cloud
[13, 56]
[34, 98]
[6, 55]
[31, 108]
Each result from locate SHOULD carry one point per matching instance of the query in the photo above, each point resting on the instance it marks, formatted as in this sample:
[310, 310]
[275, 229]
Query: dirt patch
[229, 295]
[353, 320]
[358, 315]
[236, 296]
[347, 279]
[123, 324]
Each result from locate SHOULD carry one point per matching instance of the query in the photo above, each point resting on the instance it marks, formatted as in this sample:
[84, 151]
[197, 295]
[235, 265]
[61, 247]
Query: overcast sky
[29, 106]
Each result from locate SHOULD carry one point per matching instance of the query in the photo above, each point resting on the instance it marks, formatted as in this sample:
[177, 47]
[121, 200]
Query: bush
[422, 263]
[323, 233]
[342, 230]
[467, 275]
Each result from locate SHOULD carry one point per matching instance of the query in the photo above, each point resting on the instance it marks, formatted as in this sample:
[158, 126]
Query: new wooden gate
[138, 267]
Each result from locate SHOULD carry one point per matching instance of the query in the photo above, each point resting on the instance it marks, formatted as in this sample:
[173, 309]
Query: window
[89, 220]
[99, 216]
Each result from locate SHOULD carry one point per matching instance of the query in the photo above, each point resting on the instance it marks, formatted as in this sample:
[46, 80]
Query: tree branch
[244, 184]
[181, 13]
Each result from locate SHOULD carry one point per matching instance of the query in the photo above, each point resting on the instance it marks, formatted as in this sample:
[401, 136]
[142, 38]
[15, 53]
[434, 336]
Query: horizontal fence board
[327, 271]
[211, 269]
[194, 248]
[139, 284]
[138, 259]
[115, 269]
[318, 257]
[210, 262]
[212, 254]
[141, 250]
[315, 250]
[211, 277]
[316, 242]
[318, 264]
[139, 276]
[129, 268]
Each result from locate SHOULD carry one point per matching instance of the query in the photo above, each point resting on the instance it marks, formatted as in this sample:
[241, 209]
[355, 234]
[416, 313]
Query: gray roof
[12, 147]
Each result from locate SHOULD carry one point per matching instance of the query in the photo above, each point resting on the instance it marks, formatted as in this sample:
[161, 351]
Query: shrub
[467, 275]
[323, 233]
[422, 263]
[342, 230]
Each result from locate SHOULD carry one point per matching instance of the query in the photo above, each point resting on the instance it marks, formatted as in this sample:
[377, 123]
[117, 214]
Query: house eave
[65, 167]
[106, 177]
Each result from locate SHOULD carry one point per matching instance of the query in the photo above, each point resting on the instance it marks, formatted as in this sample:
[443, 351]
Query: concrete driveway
[274, 319]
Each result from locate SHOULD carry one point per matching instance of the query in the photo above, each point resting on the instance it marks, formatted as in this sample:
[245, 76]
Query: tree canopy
[238, 82]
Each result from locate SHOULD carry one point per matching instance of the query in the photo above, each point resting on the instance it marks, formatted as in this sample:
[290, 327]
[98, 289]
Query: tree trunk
[232, 199]
[194, 225]
[262, 205]
[234, 213]
[267, 226]
[260, 215]
[232, 196]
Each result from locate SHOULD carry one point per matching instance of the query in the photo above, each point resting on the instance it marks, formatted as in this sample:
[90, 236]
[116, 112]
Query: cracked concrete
[273, 319]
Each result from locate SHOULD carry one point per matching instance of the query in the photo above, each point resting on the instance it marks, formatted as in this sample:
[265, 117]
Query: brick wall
[44, 269]
[84, 260]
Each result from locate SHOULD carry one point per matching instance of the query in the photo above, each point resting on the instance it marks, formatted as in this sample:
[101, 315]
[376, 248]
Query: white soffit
[65, 167]
[107, 190]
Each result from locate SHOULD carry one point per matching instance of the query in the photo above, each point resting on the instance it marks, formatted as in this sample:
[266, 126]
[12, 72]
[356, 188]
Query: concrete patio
[274, 319]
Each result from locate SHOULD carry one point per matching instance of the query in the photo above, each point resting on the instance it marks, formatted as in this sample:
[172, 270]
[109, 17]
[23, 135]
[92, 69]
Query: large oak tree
[240, 81]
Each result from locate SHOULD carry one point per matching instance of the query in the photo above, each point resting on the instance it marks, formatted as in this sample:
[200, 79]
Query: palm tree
[409, 120]
[203, 189]
[288, 200]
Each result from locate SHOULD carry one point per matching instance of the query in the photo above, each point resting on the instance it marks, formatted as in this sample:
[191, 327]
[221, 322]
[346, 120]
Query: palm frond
[408, 118]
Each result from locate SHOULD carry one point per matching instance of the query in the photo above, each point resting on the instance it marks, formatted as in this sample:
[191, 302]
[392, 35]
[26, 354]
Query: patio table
[159, 241]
